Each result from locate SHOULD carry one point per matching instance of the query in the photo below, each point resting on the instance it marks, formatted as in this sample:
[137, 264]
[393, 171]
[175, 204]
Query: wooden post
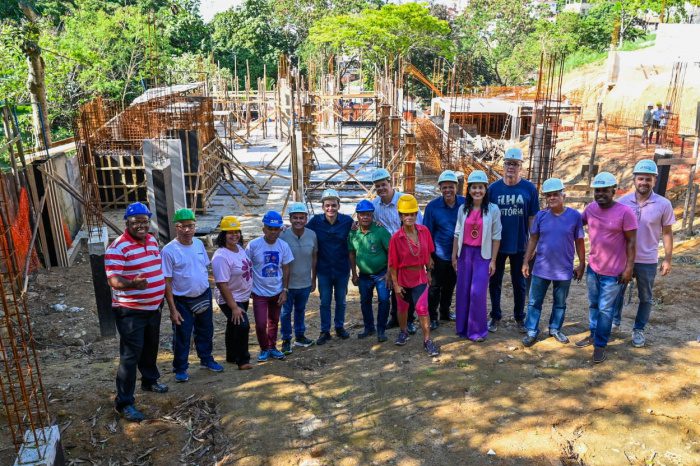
[409, 165]
[591, 161]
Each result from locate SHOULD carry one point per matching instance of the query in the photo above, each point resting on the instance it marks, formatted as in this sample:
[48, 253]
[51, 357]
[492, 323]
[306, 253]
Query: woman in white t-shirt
[233, 275]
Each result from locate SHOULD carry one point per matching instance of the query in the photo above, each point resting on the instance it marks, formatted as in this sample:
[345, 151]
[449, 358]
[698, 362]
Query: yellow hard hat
[407, 204]
[230, 223]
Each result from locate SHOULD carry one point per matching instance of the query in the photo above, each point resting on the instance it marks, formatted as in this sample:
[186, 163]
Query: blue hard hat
[645, 167]
[604, 180]
[137, 208]
[514, 153]
[364, 206]
[380, 174]
[552, 185]
[478, 176]
[297, 208]
[448, 175]
[273, 219]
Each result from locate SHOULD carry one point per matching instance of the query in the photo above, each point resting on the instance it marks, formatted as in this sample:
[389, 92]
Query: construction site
[224, 149]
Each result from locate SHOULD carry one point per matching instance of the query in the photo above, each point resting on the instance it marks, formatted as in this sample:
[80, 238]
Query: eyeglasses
[191, 227]
[512, 164]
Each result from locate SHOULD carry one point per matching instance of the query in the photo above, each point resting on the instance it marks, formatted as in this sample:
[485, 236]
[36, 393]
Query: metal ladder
[505, 127]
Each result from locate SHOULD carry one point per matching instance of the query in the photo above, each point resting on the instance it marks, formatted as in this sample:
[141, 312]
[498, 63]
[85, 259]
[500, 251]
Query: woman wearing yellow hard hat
[234, 281]
[410, 250]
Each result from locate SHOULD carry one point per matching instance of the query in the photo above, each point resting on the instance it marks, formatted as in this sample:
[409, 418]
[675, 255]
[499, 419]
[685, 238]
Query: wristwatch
[286, 290]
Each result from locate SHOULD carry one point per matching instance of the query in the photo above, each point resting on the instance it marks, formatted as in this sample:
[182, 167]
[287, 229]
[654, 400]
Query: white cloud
[208, 8]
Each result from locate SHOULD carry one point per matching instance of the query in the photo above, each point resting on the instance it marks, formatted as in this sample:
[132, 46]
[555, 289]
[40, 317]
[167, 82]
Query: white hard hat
[514, 153]
[447, 175]
[477, 176]
[604, 180]
[646, 166]
[380, 174]
[330, 194]
[650, 104]
[551, 185]
[297, 208]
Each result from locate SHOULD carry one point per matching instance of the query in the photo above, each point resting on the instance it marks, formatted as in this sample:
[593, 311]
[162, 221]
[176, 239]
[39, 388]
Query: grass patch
[586, 57]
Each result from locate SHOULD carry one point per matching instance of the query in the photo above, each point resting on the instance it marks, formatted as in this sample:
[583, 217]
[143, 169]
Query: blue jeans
[328, 286]
[538, 290]
[368, 282]
[296, 300]
[203, 326]
[645, 274]
[518, 281]
[603, 291]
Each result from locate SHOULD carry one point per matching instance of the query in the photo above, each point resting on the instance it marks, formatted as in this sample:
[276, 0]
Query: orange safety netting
[21, 232]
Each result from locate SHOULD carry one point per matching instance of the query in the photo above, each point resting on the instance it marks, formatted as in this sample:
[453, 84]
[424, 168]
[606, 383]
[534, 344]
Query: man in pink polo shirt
[655, 217]
[612, 229]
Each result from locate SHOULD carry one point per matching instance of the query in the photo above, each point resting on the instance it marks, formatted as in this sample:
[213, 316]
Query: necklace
[475, 231]
[411, 245]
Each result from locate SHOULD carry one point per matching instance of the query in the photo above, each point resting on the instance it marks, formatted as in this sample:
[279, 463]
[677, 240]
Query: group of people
[413, 262]
[655, 120]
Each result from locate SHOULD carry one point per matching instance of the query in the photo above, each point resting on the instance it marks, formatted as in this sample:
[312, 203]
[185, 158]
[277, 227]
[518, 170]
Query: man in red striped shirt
[133, 268]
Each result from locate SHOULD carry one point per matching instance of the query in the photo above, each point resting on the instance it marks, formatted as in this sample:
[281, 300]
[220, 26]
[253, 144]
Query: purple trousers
[472, 289]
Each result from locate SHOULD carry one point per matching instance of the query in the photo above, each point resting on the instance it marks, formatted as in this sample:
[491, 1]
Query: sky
[209, 8]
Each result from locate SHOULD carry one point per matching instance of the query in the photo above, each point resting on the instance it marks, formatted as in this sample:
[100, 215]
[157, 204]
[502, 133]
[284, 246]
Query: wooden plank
[678, 161]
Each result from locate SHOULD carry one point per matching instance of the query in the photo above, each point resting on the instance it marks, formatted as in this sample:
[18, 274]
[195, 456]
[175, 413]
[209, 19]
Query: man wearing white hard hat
[440, 219]
[519, 202]
[302, 277]
[333, 263]
[656, 219]
[387, 214]
[647, 121]
[612, 230]
[556, 233]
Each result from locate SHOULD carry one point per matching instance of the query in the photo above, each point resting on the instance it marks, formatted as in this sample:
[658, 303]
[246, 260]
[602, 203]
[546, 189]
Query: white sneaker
[638, 339]
[615, 328]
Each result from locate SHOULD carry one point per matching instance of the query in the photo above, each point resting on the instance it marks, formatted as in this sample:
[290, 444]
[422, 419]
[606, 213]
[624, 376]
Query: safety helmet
[604, 180]
[230, 223]
[182, 215]
[380, 174]
[297, 208]
[646, 166]
[330, 194]
[477, 176]
[364, 206]
[407, 204]
[272, 219]
[552, 185]
[650, 104]
[514, 153]
[137, 208]
[447, 175]
[659, 104]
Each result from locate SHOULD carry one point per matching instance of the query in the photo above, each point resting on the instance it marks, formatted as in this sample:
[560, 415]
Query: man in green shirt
[369, 247]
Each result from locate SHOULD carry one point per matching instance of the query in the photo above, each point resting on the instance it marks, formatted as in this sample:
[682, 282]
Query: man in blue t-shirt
[556, 232]
[518, 201]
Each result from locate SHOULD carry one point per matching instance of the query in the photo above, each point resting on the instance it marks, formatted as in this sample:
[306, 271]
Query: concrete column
[41, 447]
[97, 247]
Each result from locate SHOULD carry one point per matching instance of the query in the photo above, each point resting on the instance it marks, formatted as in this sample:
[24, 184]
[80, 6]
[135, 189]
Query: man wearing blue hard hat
[302, 277]
[369, 249]
[612, 231]
[656, 219]
[133, 269]
[333, 265]
[271, 258]
[441, 218]
[519, 202]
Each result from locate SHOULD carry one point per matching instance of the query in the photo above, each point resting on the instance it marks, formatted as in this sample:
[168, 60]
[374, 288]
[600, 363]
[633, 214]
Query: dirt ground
[358, 402]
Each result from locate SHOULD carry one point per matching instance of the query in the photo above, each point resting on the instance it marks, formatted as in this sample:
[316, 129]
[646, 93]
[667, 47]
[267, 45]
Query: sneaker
[277, 354]
[245, 367]
[521, 326]
[599, 354]
[155, 388]
[431, 348]
[342, 333]
[449, 318]
[615, 328]
[303, 342]
[480, 339]
[392, 324]
[493, 325]
[401, 339]
[434, 324]
[381, 338]
[323, 338]
[181, 377]
[365, 334]
[588, 341]
[131, 414]
[559, 336]
[411, 328]
[212, 366]
[263, 356]
[529, 340]
[638, 339]
[287, 347]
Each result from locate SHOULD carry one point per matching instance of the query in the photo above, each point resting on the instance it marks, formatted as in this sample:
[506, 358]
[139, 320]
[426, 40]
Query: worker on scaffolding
[657, 115]
[647, 121]
[189, 296]
[387, 215]
[133, 269]
[612, 231]
[656, 219]
[440, 219]
[333, 265]
[519, 202]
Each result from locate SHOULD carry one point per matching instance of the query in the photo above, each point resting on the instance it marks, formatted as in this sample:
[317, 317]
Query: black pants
[442, 287]
[139, 333]
[237, 335]
[394, 315]
[518, 281]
